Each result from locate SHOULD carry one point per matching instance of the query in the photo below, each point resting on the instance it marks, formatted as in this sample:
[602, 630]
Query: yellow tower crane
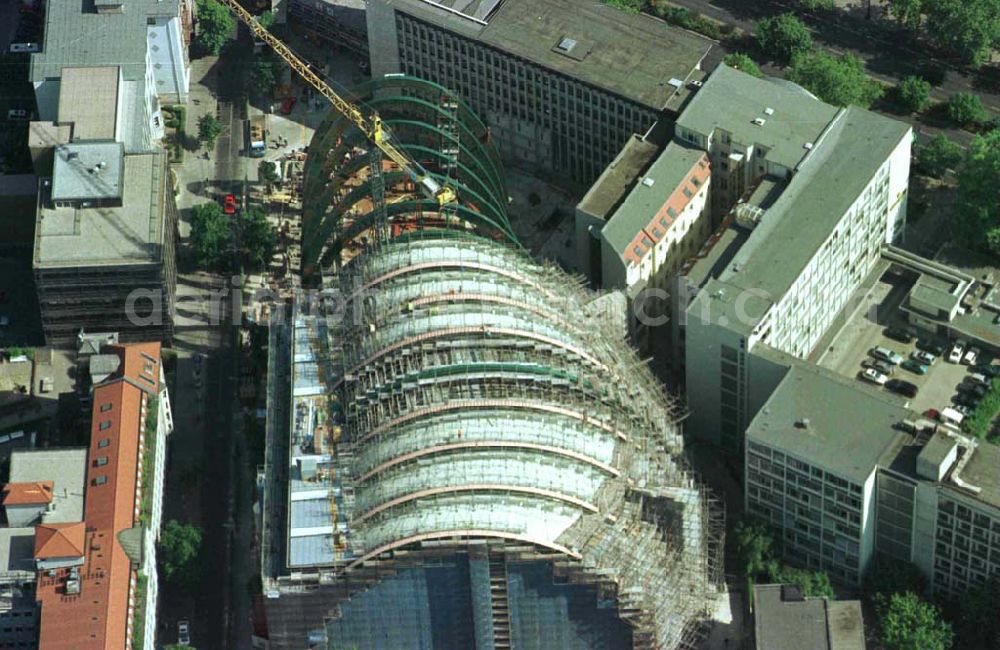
[371, 125]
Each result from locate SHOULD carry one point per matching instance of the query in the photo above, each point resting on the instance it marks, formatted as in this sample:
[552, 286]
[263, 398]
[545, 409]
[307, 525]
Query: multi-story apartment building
[845, 474]
[823, 189]
[105, 222]
[645, 215]
[561, 84]
[97, 583]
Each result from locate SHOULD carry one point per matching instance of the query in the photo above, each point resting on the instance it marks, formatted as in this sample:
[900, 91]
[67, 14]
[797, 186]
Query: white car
[874, 376]
[955, 356]
[183, 632]
[923, 357]
[971, 355]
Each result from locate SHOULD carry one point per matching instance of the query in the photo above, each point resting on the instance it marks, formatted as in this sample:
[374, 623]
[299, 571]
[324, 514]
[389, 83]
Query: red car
[229, 204]
[288, 105]
[932, 414]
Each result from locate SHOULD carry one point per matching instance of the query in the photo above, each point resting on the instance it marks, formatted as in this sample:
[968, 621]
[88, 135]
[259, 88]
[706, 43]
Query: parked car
[964, 410]
[879, 366]
[915, 366]
[932, 414]
[902, 387]
[932, 346]
[885, 354]
[183, 632]
[923, 357]
[971, 356]
[901, 334]
[955, 356]
[983, 369]
[874, 376]
[966, 399]
[288, 104]
[229, 204]
[979, 379]
[971, 388]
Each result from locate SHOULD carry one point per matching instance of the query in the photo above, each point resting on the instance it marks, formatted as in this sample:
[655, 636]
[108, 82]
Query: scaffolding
[449, 392]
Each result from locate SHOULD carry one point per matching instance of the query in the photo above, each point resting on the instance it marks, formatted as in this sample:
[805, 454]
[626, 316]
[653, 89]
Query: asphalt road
[889, 52]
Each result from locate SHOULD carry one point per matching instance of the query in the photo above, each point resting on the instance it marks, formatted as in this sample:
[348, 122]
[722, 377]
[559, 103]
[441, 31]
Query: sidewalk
[195, 172]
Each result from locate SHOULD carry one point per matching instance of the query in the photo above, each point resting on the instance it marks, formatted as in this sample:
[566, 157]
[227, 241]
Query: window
[100, 480]
[105, 407]
[104, 443]
[101, 461]
[105, 425]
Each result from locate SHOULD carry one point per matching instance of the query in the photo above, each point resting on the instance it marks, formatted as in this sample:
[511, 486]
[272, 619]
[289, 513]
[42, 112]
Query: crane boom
[371, 127]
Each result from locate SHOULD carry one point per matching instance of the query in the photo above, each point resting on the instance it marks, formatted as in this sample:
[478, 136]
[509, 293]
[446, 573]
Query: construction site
[462, 449]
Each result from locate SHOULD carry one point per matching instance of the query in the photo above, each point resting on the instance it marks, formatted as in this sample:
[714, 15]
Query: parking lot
[866, 330]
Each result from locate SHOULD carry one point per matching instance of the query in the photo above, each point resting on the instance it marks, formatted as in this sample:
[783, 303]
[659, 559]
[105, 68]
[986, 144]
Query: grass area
[980, 421]
[149, 460]
[139, 614]
[175, 118]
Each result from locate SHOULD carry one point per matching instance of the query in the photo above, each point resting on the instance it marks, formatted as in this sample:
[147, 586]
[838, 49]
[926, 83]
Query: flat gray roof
[631, 55]
[732, 100]
[67, 468]
[670, 171]
[17, 552]
[851, 428]
[88, 97]
[983, 471]
[814, 201]
[77, 36]
[130, 234]
[618, 178]
[88, 170]
[781, 624]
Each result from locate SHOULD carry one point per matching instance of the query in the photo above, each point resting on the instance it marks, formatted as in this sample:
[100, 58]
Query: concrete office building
[845, 474]
[784, 619]
[339, 23]
[644, 216]
[818, 192]
[467, 454]
[562, 84]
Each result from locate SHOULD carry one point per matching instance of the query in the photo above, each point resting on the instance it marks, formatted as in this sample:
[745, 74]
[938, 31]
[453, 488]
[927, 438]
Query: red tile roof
[24, 494]
[59, 540]
[100, 617]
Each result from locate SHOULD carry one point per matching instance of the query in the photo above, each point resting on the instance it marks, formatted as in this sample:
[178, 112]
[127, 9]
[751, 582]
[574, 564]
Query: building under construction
[462, 450]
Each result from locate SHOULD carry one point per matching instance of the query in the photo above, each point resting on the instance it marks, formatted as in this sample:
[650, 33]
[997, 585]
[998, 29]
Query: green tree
[813, 583]
[264, 73]
[909, 623]
[907, 12]
[939, 156]
[215, 25]
[266, 20]
[967, 28]
[838, 80]
[208, 130]
[259, 237]
[974, 614]
[979, 194]
[267, 171]
[211, 234]
[177, 552]
[889, 575]
[754, 546]
[631, 6]
[783, 36]
[966, 109]
[913, 94]
[816, 5]
[744, 63]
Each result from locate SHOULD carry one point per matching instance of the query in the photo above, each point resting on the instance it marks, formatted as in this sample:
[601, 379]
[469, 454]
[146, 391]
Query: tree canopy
[211, 234]
[909, 623]
[631, 6]
[267, 171]
[966, 109]
[812, 583]
[215, 25]
[977, 626]
[913, 94]
[939, 156]
[177, 551]
[783, 36]
[754, 546]
[979, 194]
[968, 29]
[208, 130]
[259, 237]
[837, 80]
[264, 73]
[744, 63]
[266, 19]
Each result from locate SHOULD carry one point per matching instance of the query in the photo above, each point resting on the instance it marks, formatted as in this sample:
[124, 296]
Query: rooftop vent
[72, 155]
[808, 145]
[768, 111]
[802, 424]
[567, 44]
[648, 182]
[676, 83]
[759, 121]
